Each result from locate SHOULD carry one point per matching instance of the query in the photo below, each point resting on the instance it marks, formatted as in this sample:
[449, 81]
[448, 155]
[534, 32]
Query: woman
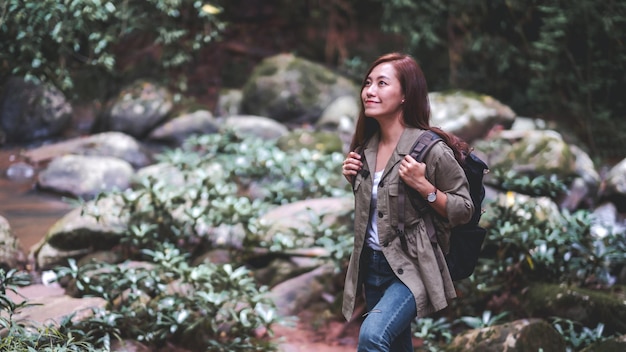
[399, 282]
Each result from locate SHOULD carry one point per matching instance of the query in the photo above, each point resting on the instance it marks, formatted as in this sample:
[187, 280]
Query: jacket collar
[407, 139]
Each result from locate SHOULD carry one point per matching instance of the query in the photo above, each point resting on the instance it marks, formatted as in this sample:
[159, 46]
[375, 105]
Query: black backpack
[465, 240]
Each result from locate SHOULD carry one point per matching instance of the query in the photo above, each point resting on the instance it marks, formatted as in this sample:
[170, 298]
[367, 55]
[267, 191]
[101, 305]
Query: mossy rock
[323, 141]
[588, 307]
[517, 336]
[293, 90]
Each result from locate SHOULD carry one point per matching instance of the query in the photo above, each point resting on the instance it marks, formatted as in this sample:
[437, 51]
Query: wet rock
[290, 89]
[517, 336]
[137, 109]
[30, 111]
[85, 176]
[469, 115]
[175, 131]
[20, 172]
[11, 254]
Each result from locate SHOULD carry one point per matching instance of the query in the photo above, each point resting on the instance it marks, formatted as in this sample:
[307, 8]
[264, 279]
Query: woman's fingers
[352, 164]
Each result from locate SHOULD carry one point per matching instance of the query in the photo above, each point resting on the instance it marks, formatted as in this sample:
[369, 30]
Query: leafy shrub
[52, 40]
[539, 186]
[542, 58]
[576, 336]
[171, 301]
[220, 307]
[24, 336]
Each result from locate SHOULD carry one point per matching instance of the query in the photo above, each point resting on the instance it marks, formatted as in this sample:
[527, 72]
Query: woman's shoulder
[411, 135]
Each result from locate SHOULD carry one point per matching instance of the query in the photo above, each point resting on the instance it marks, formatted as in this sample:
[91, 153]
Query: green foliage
[487, 319]
[524, 246]
[539, 186]
[170, 301]
[577, 336]
[432, 332]
[549, 58]
[24, 336]
[50, 40]
[166, 299]
[535, 241]
[215, 172]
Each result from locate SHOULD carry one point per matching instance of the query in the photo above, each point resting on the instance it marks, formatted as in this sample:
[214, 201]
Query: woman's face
[382, 94]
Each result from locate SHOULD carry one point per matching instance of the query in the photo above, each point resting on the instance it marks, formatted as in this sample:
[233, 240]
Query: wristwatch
[432, 196]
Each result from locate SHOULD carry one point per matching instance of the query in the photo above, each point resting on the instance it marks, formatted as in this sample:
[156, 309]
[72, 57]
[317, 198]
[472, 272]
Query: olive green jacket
[417, 267]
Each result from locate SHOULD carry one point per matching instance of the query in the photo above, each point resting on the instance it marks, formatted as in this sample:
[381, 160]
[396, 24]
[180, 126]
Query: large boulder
[531, 153]
[254, 126]
[469, 115]
[175, 131]
[294, 222]
[589, 307]
[616, 186]
[290, 89]
[517, 336]
[97, 225]
[85, 176]
[11, 254]
[31, 111]
[137, 109]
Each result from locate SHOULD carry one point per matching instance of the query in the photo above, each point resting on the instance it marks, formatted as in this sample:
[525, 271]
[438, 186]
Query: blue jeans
[391, 308]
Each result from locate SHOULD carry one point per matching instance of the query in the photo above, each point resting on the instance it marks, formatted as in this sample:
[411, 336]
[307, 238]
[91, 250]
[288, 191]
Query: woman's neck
[390, 133]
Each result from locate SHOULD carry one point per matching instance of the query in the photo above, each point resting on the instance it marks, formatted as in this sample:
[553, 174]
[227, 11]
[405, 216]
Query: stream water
[29, 211]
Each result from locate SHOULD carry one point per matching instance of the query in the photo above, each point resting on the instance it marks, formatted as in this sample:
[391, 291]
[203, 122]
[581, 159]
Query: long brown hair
[415, 110]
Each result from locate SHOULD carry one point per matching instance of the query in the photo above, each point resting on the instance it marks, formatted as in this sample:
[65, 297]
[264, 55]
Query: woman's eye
[382, 83]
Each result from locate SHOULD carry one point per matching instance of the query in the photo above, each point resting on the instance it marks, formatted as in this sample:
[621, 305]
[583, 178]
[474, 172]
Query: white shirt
[372, 228]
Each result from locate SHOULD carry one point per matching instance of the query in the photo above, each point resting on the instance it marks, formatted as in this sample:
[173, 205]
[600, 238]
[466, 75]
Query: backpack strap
[419, 150]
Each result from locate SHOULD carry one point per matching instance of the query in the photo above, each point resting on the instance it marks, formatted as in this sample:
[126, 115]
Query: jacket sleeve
[448, 176]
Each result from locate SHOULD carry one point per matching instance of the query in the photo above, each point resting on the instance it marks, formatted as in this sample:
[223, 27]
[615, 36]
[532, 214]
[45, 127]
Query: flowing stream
[29, 211]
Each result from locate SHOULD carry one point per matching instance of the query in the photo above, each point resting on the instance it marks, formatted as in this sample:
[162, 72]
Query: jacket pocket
[392, 202]
[411, 215]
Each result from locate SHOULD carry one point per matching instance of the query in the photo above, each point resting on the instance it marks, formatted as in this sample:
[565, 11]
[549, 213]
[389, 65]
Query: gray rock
[31, 111]
[517, 336]
[292, 218]
[467, 114]
[85, 176]
[117, 145]
[256, 126]
[175, 131]
[48, 305]
[138, 108]
[294, 295]
[534, 152]
[95, 226]
[229, 102]
[20, 171]
[11, 254]
[293, 90]
[616, 185]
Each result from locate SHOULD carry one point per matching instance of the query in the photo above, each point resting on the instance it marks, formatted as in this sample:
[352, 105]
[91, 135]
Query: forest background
[556, 60]
[560, 61]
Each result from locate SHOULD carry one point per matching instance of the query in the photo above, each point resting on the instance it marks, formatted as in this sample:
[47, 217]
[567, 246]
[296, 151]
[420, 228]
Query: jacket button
[380, 214]
[400, 271]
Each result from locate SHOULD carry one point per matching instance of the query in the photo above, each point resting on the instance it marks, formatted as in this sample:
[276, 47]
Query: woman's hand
[413, 173]
[351, 166]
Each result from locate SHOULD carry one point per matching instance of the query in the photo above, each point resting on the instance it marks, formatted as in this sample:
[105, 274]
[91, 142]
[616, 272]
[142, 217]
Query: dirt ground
[307, 336]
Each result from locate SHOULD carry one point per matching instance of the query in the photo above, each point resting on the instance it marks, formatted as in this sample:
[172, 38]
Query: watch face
[432, 197]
